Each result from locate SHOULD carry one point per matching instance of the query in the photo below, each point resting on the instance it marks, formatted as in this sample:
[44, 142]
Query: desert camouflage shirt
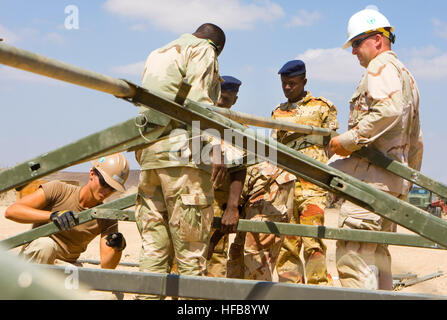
[194, 60]
[384, 115]
[317, 112]
[264, 195]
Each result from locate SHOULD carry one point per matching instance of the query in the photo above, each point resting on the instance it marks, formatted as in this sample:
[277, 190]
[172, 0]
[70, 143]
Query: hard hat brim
[348, 42]
[346, 45]
[114, 184]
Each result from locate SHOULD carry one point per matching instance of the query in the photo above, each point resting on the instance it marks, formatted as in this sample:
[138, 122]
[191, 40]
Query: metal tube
[112, 211]
[302, 230]
[223, 288]
[36, 63]
[98, 262]
[32, 62]
[120, 137]
[421, 279]
[270, 123]
[372, 155]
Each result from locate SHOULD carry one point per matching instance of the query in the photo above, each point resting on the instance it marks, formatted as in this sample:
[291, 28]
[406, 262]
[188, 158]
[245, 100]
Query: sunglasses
[356, 43]
[101, 180]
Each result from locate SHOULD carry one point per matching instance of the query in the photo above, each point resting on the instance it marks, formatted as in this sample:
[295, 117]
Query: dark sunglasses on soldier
[356, 43]
[101, 180]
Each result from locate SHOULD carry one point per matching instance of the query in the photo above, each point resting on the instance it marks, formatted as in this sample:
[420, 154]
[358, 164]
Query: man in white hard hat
[58, 202]
[384, 115]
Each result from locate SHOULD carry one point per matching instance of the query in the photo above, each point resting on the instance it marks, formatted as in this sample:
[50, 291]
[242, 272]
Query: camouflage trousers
[174, 214]
[235, 261]
[253, 256]
[308, 211]
[360, 264]
[217, 265]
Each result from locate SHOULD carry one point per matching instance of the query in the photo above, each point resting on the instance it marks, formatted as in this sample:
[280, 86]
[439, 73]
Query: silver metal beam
[270, 123]
[98, 262]
[224, 289]
[63, 71]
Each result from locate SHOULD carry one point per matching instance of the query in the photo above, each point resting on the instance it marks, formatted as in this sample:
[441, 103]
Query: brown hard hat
[115, 170]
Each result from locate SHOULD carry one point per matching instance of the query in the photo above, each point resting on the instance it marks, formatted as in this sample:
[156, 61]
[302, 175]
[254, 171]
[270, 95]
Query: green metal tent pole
[328, 178]
[28, 61]
[317, 138]
[270, 123]
[120, 137]
[114, 212]
[291, 229]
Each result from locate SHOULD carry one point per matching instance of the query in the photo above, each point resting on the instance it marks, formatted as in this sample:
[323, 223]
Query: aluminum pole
[32, 62]
[270, 123]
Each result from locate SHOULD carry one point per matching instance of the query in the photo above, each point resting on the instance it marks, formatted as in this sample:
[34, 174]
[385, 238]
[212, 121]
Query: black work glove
[116, 240]
[65, 219]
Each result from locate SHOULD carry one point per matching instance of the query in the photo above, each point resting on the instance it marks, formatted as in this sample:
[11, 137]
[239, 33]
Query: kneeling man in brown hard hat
[59, 202]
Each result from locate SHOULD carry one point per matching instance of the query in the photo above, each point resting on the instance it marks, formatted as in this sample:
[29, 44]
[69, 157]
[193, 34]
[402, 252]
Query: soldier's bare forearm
[236, 186]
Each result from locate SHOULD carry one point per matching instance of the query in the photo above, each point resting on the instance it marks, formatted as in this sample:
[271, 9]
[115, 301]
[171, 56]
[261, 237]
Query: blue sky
[115, 36]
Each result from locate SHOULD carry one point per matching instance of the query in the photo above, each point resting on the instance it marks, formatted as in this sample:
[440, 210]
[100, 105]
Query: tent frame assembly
[138, 132]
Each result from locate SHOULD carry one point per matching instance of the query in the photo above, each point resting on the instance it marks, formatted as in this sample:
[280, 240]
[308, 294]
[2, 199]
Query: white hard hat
[364, 21]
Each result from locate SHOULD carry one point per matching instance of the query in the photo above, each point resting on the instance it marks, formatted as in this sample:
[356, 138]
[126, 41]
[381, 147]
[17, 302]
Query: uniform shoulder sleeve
[384, 79]
[385, 105]
[276, 110]
[202, 73]
[54, 192]
[329, 116]
[328, 102]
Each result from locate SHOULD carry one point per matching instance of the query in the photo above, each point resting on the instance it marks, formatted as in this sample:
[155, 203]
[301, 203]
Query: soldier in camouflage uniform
[384, 115]
[174, 203]
[267, 196]
[217, 252]
[310, 200]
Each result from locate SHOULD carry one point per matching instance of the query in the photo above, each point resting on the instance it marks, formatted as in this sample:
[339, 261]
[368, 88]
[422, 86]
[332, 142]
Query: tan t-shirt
[63, 196]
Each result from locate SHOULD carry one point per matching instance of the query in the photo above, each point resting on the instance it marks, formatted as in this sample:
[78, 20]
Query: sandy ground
[405, 259]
